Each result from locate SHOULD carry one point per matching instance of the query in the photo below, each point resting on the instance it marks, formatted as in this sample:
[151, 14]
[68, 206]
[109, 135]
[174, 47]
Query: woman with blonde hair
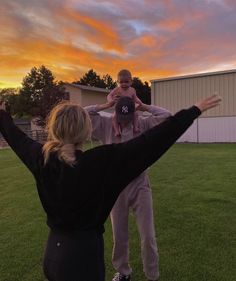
[77, 189]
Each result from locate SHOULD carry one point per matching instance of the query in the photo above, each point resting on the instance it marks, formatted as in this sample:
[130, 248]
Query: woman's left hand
[2, 105]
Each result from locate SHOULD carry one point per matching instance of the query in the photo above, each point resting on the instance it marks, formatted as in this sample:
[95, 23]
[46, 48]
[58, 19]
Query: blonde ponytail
[66, 153]
[68, 127]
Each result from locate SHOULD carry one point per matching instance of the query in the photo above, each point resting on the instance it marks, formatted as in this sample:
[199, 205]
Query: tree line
[40, 92]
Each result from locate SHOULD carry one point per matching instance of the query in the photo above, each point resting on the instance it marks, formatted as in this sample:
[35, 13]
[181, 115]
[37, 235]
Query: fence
[38, 135]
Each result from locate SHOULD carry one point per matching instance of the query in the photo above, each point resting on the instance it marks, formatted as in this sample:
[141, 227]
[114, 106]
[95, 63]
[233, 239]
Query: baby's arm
[111, 96]
[134, 96]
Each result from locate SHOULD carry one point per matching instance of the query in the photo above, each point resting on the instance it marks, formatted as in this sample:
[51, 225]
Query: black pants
[74, 257]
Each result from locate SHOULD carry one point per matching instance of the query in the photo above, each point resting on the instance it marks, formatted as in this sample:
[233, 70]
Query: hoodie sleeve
[25, 148]
[99, 123]
[136, 155]
[158, 115]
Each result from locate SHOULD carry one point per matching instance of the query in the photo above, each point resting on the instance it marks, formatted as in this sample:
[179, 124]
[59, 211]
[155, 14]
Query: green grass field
[194, 194]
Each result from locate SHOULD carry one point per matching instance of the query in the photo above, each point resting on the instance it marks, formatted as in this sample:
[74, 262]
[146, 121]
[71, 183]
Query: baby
[124, 78]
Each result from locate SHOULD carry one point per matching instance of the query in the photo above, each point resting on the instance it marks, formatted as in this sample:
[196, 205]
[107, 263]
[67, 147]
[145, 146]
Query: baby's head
[124, 78]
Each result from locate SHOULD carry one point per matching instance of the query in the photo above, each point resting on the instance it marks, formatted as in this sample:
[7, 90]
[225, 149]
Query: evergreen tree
[110, 83]
[39, 93]
[91, 78]
[143, 90]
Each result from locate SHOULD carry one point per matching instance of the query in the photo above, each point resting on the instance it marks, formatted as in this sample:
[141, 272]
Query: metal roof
[195, 75]
[89, 88]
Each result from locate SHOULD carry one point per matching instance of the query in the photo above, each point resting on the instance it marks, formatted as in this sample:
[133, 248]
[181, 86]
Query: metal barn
[216, 125]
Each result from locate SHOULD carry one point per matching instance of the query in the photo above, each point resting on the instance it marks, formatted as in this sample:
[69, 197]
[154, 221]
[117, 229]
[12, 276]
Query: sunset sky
[152, 38]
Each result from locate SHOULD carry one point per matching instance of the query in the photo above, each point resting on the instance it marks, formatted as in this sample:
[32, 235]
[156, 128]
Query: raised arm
[157, 115]
[112, 96]
[26, 149]
[98, 121]
[136, 155]
[135, 97]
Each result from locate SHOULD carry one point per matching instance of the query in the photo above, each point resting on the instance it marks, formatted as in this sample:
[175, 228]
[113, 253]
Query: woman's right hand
[208, 103]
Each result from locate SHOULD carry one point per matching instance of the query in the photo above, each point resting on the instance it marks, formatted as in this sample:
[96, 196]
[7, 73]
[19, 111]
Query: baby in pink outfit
[124, 78]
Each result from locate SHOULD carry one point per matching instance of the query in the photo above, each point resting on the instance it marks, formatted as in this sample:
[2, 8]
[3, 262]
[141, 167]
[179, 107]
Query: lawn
[194, 194]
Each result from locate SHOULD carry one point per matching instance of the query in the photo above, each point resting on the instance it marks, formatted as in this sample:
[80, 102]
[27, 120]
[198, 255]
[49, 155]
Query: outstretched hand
[2, 105]
[208, 103]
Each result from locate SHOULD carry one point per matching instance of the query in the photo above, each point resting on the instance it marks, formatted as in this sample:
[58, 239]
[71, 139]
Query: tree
[10, 96]
[143, 90]
[6, 92]
[91, 78]
[39, 93]
[110, 84]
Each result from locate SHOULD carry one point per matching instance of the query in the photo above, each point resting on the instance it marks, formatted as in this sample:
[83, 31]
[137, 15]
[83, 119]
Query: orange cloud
[70, 42]
[97, 31]
[171, 24]
[145, 40]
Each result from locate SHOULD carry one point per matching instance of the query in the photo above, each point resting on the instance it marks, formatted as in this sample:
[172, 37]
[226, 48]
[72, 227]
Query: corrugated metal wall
[179, 93]
[216, 125]
[211, 129]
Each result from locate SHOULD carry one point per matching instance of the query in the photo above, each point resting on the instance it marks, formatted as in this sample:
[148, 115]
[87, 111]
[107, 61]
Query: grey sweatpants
[139, 199]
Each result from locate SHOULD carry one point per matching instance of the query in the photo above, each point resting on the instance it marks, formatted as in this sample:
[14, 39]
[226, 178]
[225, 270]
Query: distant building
[216, 125]
[86, 95]
[83, 95]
